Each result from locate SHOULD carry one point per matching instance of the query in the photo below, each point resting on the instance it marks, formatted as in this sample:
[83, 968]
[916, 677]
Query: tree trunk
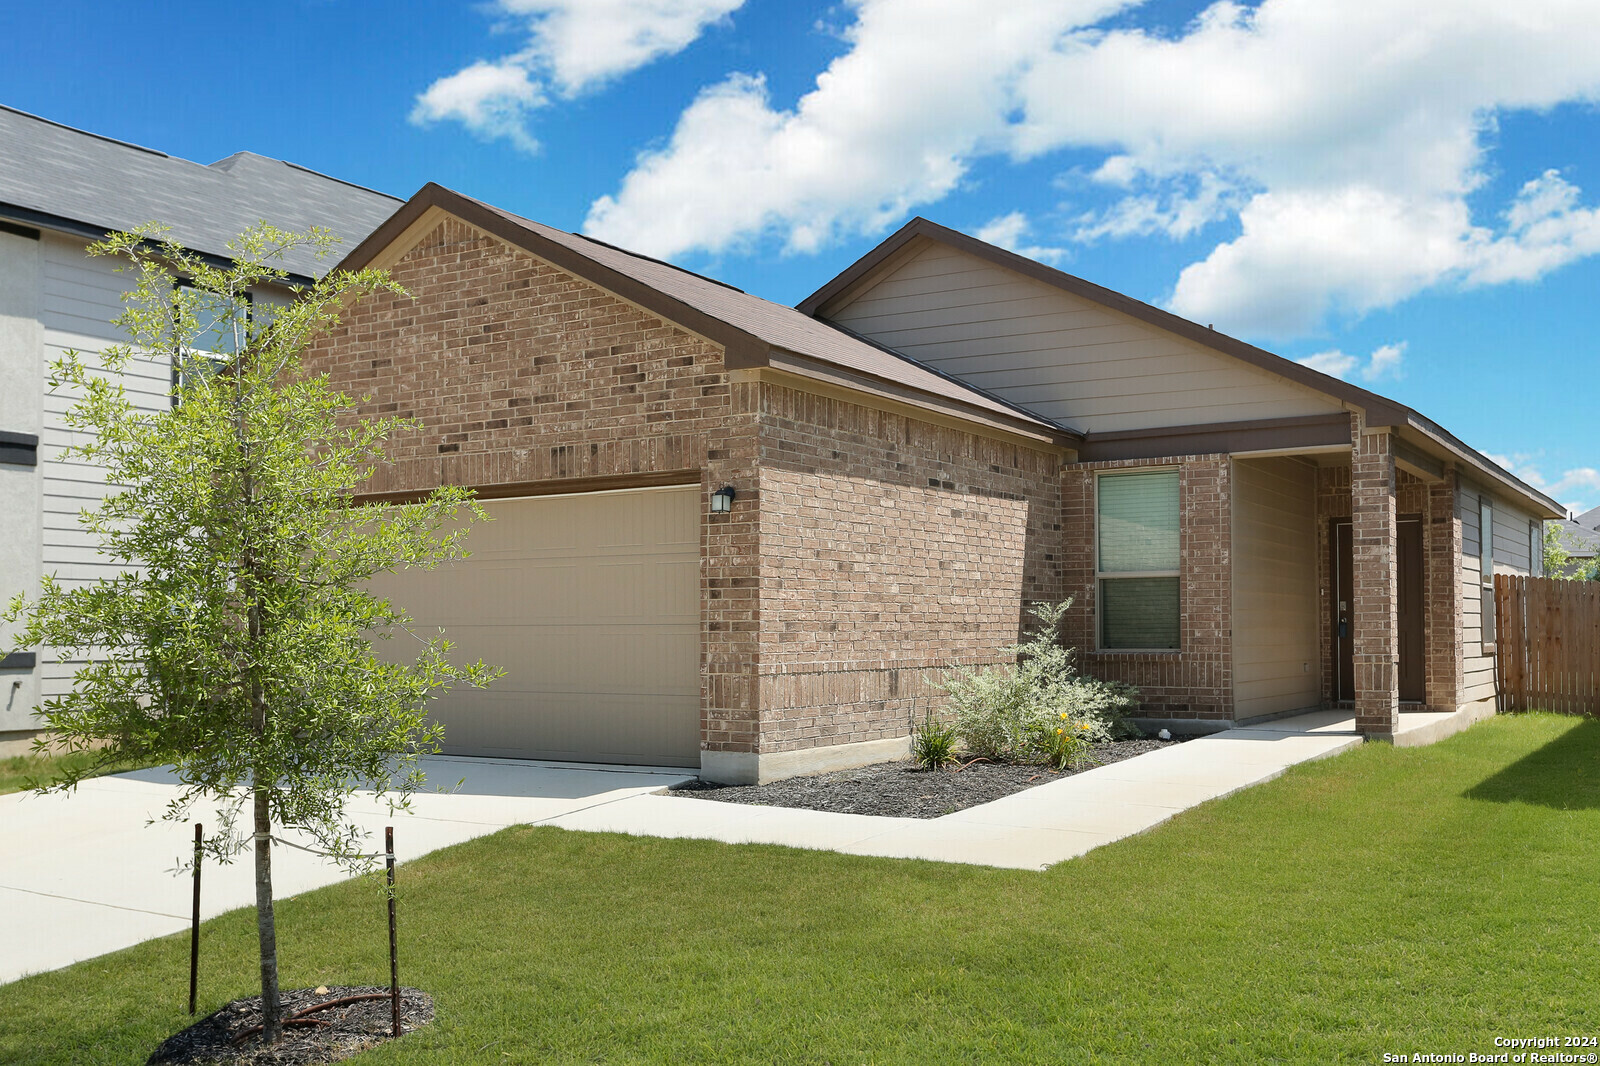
[266, 928]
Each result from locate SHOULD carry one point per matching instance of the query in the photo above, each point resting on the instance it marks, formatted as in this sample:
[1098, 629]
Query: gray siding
[1275, 602]
[21, 385]
[1055, 353]
[1511, 553]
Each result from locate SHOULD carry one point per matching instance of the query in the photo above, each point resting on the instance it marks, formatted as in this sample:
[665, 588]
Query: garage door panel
[560, 657]
[591, 604]
[578, 726]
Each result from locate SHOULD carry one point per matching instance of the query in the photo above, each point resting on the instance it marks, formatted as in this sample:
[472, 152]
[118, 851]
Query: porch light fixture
[722, 500]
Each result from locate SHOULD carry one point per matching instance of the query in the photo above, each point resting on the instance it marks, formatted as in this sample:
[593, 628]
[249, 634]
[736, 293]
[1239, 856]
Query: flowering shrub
[1041, 709]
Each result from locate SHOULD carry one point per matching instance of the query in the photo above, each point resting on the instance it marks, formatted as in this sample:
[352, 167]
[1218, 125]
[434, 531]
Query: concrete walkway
[1038, 827]
[92, 872]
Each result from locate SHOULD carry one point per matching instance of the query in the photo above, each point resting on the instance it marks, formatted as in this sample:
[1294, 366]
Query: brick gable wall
[520, 372]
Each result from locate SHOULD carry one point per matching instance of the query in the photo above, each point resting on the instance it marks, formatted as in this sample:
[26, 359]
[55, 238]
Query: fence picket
[1547, 644]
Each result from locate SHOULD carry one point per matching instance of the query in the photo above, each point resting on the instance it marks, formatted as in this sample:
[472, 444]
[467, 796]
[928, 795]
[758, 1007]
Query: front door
[1408, 609]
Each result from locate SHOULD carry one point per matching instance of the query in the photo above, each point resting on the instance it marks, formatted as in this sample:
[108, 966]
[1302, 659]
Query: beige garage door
[591, 605]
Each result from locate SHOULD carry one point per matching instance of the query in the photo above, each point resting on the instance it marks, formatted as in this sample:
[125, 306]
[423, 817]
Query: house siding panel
[1058, 354]
[1275, 594]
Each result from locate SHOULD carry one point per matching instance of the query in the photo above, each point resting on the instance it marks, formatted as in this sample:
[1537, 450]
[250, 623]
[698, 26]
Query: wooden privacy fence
[1548, 639]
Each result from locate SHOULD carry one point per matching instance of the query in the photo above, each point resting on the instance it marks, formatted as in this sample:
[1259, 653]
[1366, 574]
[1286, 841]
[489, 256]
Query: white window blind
[1138, 560]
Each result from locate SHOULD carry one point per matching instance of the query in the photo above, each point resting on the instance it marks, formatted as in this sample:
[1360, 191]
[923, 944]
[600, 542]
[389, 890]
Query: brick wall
[1197, 680]
[1441, 547]
[520, 372]
[1373, 510]
[891, 548]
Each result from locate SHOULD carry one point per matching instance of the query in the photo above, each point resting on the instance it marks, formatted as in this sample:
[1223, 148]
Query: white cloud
[573, 46]
[1008, 232]
[1577, 488]
[1343, 137]
[926, 87]
[488, 98]
[1383, 363]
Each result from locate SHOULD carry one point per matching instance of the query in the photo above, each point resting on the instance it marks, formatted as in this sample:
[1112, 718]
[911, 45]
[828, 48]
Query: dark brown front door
[1408, 609]
[1344, 668]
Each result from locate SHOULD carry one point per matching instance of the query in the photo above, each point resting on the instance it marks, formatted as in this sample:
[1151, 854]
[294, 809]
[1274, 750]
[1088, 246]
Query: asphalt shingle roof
[780, 326]
[53, 172]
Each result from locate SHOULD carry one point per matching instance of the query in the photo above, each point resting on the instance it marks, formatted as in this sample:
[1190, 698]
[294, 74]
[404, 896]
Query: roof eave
[744, 350]
[93, 232]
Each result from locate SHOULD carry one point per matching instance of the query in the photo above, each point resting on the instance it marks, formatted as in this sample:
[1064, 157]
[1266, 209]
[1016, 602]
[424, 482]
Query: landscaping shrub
[1040, 710]
[934, 743]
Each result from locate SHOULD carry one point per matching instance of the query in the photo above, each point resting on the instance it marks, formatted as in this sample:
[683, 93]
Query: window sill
[1137, 651]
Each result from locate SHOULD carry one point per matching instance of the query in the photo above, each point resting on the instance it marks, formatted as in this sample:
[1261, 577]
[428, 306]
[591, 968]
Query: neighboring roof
[57, 177]
[753, 331]
[1380, 410]
[1589, 519]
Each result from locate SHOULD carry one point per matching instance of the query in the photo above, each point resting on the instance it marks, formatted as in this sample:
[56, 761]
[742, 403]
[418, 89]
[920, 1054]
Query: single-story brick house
[742, 537]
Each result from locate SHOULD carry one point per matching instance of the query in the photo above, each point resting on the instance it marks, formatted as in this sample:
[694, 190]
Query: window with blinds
[1137, 552]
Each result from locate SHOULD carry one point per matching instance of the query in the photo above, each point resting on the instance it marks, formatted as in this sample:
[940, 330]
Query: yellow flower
[1058, 732]
[1084, 726]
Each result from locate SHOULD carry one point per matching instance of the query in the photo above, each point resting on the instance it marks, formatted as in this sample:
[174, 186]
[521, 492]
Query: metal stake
[394, 959]
[194, 925]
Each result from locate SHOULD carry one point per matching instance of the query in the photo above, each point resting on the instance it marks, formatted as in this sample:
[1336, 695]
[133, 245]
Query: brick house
[740, 536]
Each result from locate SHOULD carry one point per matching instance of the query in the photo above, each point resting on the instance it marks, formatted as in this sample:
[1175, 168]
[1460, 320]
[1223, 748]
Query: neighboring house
[1580, 537]
[60, 189]
[743, 537]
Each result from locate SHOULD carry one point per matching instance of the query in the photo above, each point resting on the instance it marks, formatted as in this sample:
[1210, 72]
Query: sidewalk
[1038, 827]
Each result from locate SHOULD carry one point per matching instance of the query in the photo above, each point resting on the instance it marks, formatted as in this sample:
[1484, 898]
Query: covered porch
[1347, 564]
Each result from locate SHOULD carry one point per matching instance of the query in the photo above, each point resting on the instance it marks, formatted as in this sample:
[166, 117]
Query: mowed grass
[1383, 901]
[19, 772]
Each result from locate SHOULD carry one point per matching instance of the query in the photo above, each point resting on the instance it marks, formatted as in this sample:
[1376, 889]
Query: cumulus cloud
[573, 46]
[1574, 488]
[490, 99]
[1383, 363]
[1342, 139]
[1010, 232]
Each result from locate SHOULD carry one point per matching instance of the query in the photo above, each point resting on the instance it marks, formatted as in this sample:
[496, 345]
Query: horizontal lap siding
[79, 298]
[1511, 556]
[1275, 597]
[1059, 354]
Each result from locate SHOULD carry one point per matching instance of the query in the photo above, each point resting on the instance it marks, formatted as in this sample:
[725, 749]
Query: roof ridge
[90, 133]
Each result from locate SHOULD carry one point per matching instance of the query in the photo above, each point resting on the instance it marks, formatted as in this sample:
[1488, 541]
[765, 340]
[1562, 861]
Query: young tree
[237, 642]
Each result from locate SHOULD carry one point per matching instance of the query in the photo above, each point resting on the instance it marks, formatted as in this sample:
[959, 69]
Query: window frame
[1487, 623]
[1100, 576]
[219, 360]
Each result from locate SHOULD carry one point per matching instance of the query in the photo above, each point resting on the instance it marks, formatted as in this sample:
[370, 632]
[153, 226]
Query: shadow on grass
[1562, 774]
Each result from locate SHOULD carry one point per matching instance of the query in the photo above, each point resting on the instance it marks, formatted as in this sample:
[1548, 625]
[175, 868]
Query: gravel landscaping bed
[901, 790]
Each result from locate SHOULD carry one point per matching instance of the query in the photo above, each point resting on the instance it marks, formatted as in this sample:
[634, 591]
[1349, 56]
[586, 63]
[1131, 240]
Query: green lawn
[22, 771]
[1386, 900]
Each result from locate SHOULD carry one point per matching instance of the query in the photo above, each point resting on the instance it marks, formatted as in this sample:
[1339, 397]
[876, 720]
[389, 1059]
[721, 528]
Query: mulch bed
[351, 1027]
[901, 790]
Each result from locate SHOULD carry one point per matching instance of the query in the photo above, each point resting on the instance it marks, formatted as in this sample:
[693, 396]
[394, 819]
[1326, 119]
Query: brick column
[1442, 594]
[1373, 623]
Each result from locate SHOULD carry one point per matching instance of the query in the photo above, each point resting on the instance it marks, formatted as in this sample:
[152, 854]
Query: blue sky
[1404, 194]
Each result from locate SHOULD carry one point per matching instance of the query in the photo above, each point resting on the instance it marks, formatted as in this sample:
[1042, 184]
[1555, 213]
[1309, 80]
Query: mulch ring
[902, 790]
[232, 1035]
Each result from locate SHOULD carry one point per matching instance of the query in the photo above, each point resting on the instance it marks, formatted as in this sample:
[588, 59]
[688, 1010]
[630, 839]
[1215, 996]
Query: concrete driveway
[90, 872]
